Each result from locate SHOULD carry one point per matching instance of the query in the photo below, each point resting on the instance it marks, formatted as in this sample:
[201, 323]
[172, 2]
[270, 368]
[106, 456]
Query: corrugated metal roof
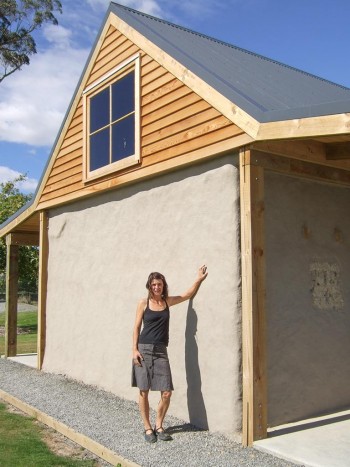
[265, 89]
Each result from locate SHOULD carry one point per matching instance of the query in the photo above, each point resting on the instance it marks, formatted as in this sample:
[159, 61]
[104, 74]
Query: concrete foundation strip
[87, 443]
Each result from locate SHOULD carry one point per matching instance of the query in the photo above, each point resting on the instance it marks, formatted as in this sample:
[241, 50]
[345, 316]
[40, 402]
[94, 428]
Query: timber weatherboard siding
[174, 121]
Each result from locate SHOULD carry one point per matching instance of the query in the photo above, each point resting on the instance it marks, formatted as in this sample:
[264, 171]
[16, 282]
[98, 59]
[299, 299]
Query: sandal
[151, 437]
[162, 435]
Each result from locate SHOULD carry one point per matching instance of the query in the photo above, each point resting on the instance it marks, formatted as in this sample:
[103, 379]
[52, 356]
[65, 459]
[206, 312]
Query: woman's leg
[163, 407]
[144, 409]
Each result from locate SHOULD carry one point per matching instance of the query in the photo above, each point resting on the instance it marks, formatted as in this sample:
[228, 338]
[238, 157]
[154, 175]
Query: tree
[11, 200]
[18, 20]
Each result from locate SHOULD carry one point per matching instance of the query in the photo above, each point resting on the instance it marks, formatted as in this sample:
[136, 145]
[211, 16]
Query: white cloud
[34, 100]
[7, 175]
[58, 35]
[150, 7]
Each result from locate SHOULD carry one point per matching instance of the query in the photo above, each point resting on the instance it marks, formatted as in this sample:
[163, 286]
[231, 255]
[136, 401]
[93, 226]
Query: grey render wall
[101, 251]
[307, 298]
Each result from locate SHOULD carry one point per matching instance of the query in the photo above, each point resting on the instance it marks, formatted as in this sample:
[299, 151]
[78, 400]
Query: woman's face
[157, 287]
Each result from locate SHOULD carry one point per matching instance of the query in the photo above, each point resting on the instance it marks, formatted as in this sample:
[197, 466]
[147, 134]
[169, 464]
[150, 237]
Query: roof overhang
[25, 225]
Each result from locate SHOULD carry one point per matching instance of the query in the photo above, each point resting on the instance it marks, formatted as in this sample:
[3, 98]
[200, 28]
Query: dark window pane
[99, 149]
[123, 138]
[123, 96]
[99, 110]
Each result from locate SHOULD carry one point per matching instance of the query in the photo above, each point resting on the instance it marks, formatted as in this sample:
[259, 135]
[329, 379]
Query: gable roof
[265, 89]
[267, 99]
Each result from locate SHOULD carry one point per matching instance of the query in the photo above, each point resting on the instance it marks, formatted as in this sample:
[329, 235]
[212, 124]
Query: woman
[151, 369]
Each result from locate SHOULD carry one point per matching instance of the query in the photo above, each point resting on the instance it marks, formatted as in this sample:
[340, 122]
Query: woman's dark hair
[158, 276]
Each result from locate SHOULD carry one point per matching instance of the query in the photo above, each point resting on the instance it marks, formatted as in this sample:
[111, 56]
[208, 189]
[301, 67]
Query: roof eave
[324, 125]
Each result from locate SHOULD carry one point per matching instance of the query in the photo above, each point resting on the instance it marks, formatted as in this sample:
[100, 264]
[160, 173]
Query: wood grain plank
[11, 278]
[111, 62]
[253, 301]
[176, 122]
[163, 96]
[175, 111]
[42, 291]
[152, 76]
[157, 84]
[203, 130]
[77, 154]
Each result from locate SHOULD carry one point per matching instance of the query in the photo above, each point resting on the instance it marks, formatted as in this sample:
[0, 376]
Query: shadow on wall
[195, 402]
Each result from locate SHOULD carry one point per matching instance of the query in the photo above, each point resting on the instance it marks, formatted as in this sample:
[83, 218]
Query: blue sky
[312, 35]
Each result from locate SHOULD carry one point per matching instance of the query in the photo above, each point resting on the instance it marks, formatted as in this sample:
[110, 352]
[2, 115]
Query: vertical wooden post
[11, 298]
[43, 262]
[253, 300]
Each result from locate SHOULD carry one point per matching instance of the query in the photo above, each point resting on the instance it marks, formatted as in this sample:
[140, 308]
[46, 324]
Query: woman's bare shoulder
[142, 303]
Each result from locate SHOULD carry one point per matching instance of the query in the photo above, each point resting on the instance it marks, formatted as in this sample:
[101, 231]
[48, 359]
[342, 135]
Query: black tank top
[155, 326]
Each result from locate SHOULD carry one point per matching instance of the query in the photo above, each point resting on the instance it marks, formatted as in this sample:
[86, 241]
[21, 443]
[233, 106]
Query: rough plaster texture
[101, 251]
[307, 298]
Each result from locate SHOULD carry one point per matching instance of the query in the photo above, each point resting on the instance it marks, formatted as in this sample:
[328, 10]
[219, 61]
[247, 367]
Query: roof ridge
[227, 44]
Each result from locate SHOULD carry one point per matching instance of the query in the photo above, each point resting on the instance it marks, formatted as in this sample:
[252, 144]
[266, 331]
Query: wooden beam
[23, 238]
[253, 300]
[308, 127]
[303, 150]
[11, 300]
[336, 151]
[43, 263]
[298, 168]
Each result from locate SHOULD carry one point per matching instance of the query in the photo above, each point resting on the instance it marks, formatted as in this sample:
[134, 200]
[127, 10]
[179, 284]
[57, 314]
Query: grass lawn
[21, 444]
[27, 322]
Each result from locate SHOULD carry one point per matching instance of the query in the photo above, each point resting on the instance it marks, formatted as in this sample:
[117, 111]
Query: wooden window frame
[131, 64]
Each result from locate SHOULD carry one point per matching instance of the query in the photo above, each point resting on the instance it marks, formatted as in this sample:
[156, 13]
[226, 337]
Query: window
[111, 112]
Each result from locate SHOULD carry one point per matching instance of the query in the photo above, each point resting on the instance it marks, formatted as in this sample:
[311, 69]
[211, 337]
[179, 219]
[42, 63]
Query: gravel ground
[115, 423]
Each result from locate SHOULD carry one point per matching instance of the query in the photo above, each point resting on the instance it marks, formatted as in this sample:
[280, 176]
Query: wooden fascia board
[8, 228]
[226, 107]
[305, 127]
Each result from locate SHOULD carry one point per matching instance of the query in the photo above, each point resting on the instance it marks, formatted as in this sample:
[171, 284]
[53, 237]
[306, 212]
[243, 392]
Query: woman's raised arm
[191, 292]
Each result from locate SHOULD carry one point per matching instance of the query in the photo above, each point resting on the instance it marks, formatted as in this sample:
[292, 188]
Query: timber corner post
[254, 422]
[43, 263]
[11, 297]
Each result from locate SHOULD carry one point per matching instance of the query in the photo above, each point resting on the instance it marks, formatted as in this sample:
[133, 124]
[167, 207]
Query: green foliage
[21, 444]
[18, 20]
[11, 200]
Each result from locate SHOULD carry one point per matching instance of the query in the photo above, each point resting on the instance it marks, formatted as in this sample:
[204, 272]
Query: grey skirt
[154, 372]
